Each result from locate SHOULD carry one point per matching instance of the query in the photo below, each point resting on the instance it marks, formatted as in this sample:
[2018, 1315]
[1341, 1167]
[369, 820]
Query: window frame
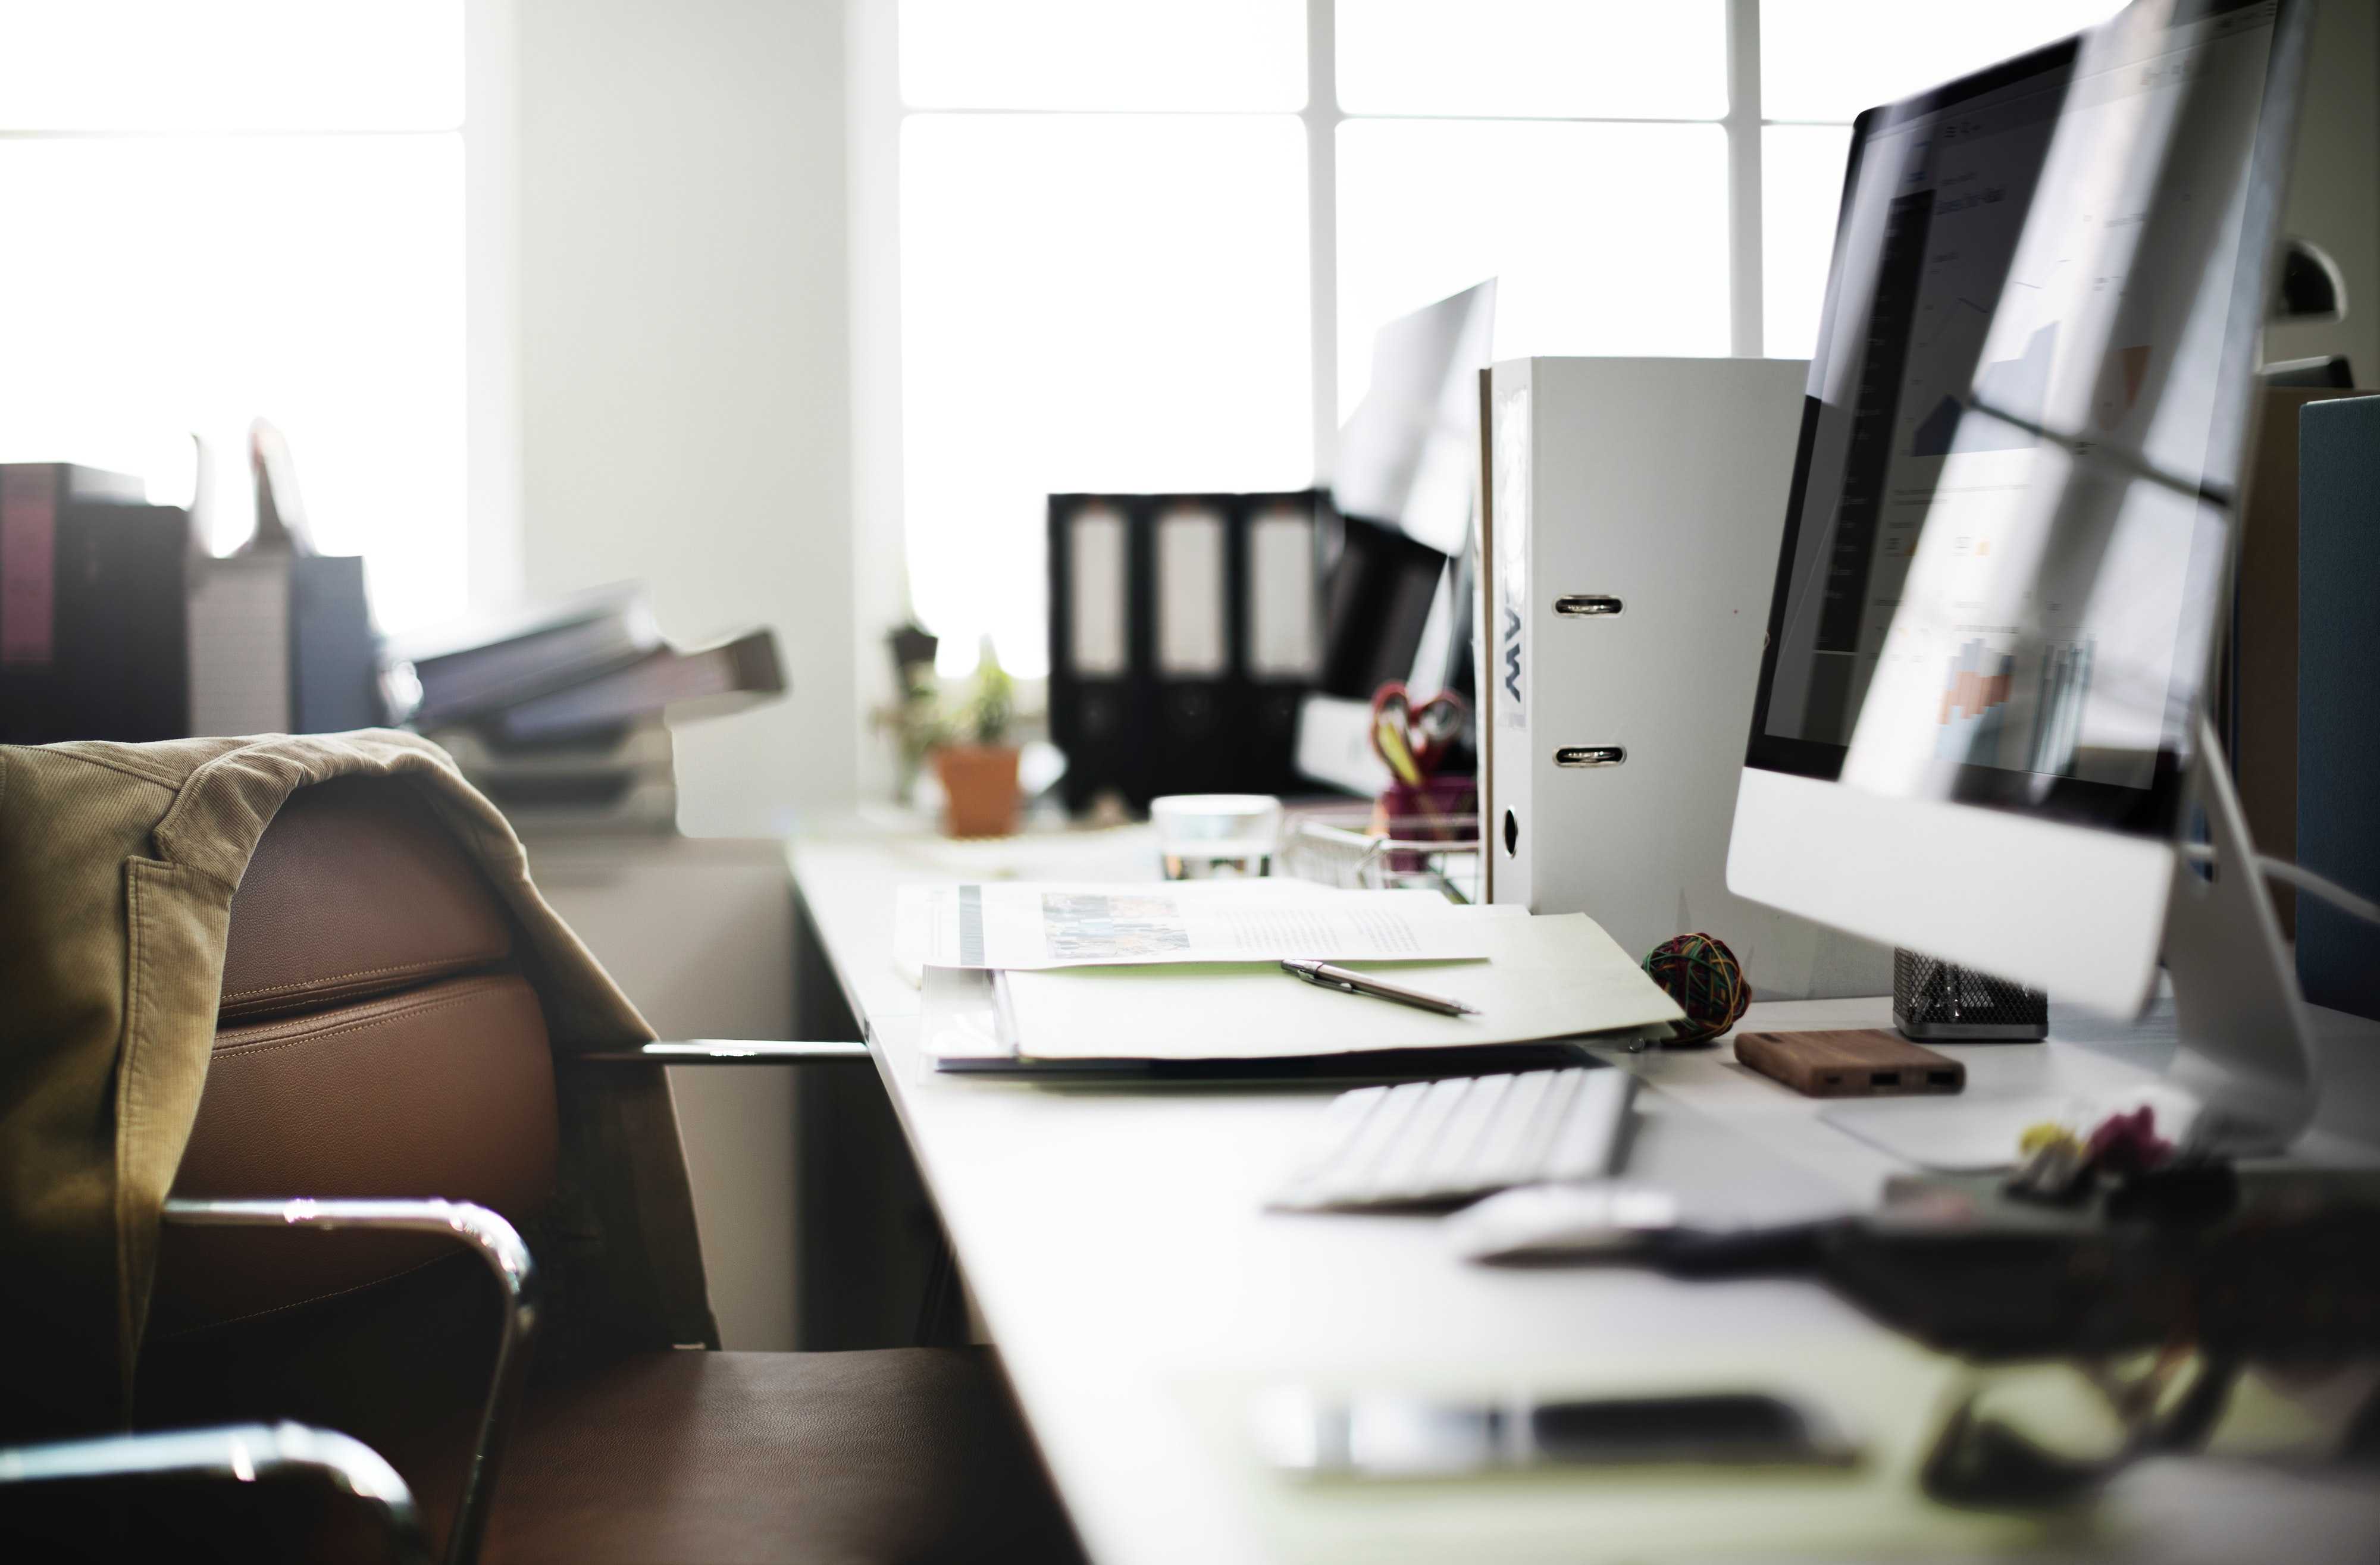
[874, 114]
[879, 112]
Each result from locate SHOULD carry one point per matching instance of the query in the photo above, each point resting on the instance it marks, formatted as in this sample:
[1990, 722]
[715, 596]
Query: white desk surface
[1115, 1242]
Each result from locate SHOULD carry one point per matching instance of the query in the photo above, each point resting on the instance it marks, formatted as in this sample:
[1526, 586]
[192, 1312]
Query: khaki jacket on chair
[118, 865]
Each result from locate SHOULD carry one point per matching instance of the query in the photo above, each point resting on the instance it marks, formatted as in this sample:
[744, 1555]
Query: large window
[1821, 62]
[1145, 245]
[246, 208]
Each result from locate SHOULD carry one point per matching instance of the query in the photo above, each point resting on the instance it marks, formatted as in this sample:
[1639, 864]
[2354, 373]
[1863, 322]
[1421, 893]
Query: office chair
[382, 1094]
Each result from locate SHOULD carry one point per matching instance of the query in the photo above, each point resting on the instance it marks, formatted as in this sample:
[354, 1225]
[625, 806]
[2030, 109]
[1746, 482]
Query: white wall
[699, 934]
[682, 306]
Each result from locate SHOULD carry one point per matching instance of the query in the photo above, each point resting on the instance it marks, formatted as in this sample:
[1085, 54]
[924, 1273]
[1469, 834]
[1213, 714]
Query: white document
[961, 1022]
[1545, 978]
[1024, 925]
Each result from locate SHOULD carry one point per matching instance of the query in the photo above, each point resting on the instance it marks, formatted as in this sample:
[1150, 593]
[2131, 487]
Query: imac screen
[2007, 535]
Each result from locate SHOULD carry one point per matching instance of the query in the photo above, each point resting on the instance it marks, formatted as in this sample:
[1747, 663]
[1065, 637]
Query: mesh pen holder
[1938, 1001]
[1355, 847]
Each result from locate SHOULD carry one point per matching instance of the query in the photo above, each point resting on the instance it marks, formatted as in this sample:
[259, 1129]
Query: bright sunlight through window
[1106, 277]
[243, 209]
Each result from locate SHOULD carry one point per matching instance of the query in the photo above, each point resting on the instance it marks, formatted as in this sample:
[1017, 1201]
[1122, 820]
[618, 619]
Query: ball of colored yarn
[1702, 976]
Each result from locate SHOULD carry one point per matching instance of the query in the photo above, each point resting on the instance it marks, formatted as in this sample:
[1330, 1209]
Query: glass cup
[1216, 836]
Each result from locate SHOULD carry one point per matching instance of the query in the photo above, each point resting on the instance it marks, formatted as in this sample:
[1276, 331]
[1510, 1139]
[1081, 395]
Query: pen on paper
[1323, 975]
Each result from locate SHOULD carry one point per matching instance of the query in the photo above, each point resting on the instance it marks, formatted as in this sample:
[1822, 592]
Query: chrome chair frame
[728, 1052]
[493, 1240]
[234, 1453]
[243, 1450]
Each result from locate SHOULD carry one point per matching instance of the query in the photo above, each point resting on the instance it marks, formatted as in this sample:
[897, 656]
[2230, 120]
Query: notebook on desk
[1544, 982]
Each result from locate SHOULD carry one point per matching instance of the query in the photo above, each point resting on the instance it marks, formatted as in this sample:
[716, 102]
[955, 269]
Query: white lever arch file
[1628, 546]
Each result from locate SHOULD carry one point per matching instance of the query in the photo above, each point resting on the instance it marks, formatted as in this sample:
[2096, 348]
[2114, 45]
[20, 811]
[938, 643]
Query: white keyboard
[1427, 1143]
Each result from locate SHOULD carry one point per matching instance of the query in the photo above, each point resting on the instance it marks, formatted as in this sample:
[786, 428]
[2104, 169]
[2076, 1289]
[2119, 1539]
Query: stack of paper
[1060, 976]
[1014, 925]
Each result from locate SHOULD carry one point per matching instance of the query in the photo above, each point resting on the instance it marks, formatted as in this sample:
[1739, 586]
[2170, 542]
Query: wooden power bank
[1855, 1063]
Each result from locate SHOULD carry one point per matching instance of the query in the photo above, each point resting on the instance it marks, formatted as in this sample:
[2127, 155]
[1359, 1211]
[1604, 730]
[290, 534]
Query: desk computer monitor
[2013, 508]
[1397, 594]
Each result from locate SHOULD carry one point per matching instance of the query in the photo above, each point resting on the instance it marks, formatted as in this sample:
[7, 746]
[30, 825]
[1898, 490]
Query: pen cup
[1438, 809]
[1216, 836]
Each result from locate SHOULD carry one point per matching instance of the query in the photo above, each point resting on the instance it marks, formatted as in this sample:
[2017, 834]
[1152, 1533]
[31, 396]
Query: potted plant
[976, 761]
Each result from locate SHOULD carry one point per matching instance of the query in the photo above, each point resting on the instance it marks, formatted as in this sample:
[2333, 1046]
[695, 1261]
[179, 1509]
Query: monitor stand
[2244, 1060]
[2246, 1042]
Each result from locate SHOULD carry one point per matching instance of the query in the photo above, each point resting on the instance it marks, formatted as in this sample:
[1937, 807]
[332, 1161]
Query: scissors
[1414, 739]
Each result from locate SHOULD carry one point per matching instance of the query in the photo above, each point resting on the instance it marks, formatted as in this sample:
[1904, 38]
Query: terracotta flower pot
[980, 785]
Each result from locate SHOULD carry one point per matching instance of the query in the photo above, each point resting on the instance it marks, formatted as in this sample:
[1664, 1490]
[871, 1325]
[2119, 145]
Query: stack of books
[94, 597]
[116, 623]
[560, 713]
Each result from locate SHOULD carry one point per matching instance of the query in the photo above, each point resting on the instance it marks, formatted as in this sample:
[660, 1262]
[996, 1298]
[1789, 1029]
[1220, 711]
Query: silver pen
[1322, 975]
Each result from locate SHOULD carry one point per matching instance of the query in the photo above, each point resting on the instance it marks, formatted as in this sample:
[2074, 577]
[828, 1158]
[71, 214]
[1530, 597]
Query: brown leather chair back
[375, 1038]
